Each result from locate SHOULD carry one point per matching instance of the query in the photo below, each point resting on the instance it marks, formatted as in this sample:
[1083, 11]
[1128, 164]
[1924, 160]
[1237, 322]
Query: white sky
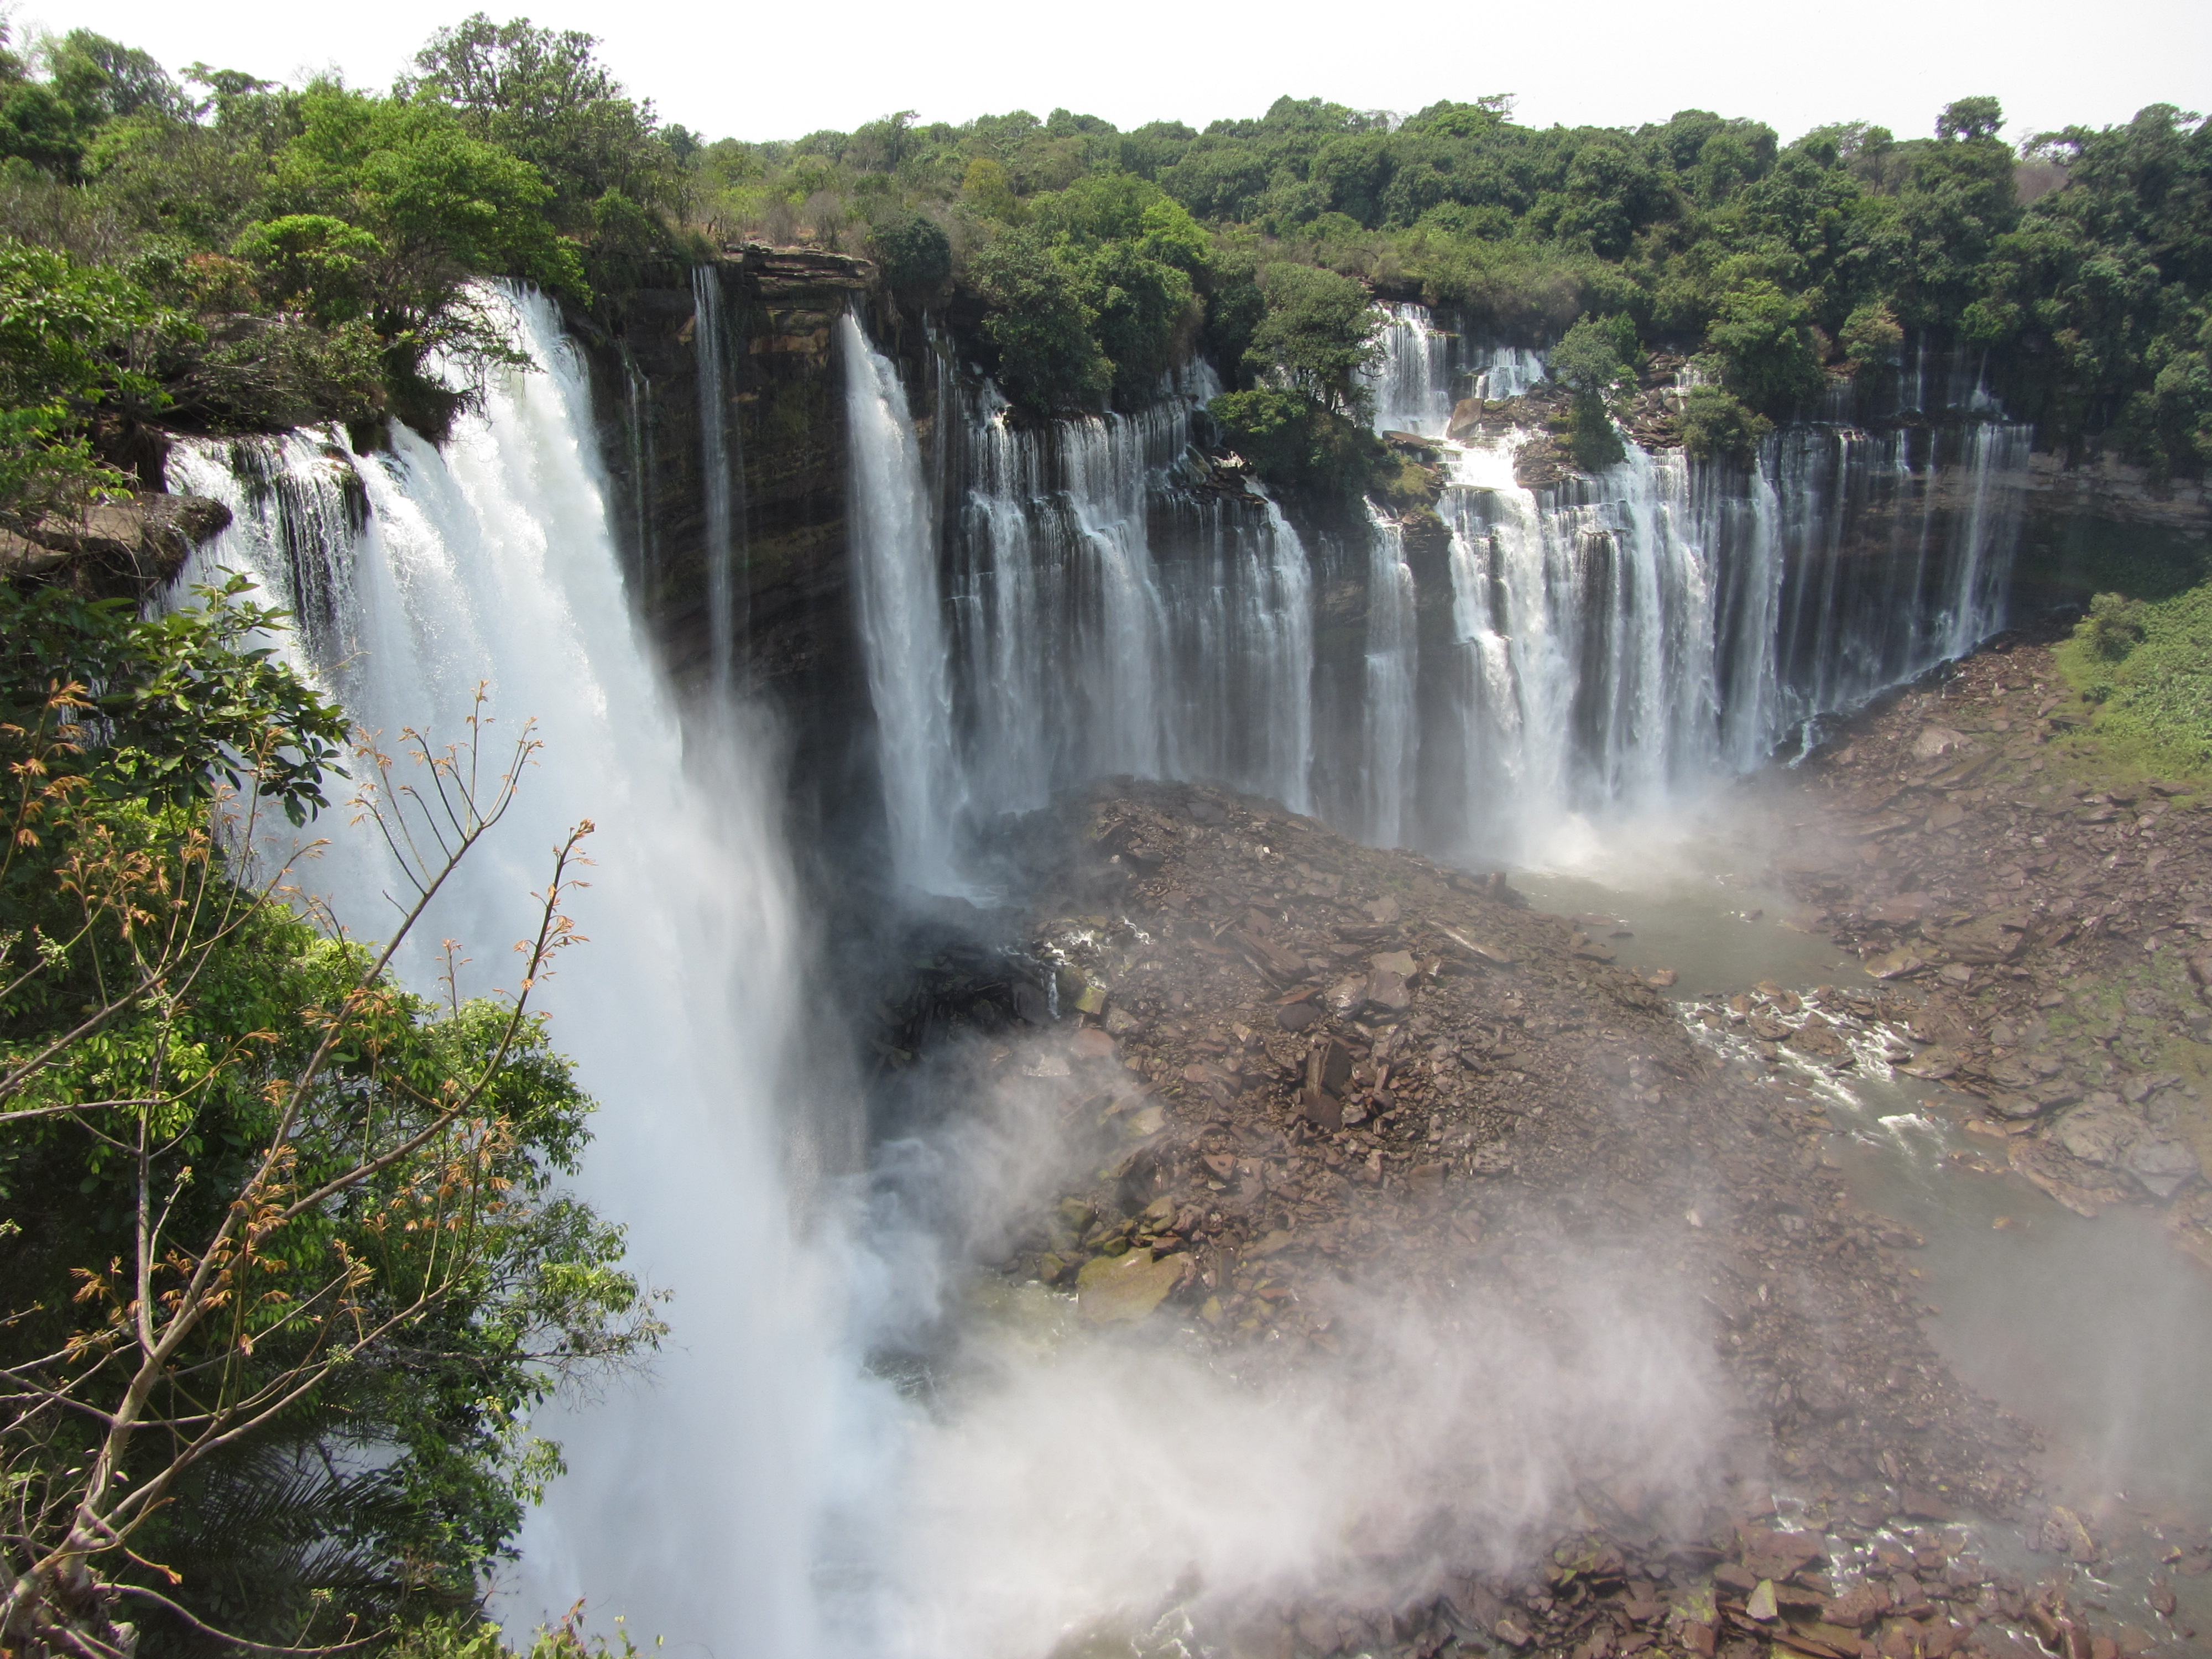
[755, 71]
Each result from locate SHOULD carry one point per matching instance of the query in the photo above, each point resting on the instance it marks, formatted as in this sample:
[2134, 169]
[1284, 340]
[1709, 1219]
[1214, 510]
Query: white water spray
[697, 1498]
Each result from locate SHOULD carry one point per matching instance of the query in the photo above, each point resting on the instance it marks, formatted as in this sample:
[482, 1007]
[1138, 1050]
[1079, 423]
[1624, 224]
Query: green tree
[1318, 333]
[1590, 362]
[441, 207]
[1135, 257]
[1048, 359]
[915, 254]
[314, 262]
[285, 1263]
[542, 95]
[1302, 450]
[1761, 338]
[73, 339]
[1715, 424]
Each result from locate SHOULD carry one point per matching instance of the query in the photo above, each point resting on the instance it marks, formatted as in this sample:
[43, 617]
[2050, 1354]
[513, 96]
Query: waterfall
[1618, 638]
[1277, 620]
[644, 471]
[1109, 618]
[902, 617]
[1508, 372]
[1587, 618]
[1410, 383]
[1626, 637]
[695, 1502]
[1064, 620]
[1392, 667]
[1423, 371]
[728, 585]
[1613, 641]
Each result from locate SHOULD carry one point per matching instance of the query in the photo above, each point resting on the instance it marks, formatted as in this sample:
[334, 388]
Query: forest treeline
[220, 253]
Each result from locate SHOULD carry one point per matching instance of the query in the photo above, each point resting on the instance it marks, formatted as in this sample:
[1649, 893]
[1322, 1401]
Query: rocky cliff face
[121, 548]
[1864, 504]
[784, 465]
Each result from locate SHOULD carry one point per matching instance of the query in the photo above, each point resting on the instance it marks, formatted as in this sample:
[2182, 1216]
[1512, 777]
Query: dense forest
[287, 1256]
[224, 253]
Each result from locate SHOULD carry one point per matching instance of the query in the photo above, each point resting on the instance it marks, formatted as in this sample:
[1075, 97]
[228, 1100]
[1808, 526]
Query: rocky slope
[1299, 1069]
[2059, 922]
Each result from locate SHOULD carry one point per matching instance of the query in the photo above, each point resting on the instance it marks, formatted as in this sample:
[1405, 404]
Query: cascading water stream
[902, 618]
[1411, 382]
[1108, 620]
[697, 1500]
[1392, 671]
[644, 467]
[728, 593]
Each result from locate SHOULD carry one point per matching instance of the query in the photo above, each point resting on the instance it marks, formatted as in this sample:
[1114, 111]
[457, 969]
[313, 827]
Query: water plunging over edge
[902, 618]
[702, 1499]
[729, 594]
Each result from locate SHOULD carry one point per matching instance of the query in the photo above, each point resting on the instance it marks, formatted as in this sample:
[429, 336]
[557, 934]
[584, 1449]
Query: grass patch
[2144, 667]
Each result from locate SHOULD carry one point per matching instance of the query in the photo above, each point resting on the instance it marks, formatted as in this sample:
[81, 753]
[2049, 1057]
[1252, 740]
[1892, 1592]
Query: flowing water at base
[2098, 1331]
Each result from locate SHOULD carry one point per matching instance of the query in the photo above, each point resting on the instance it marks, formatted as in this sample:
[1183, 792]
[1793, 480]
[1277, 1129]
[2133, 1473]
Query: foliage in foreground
[286, 1263]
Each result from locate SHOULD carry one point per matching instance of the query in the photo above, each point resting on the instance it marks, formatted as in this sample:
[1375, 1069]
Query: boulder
[1388, 993]
[1936, 741]
[127, 547]
[2162, 1166]
[2098, 1134]
[1125, 1288]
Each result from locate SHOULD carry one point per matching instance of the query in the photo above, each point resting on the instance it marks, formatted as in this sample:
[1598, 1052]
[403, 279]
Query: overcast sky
[779, 71]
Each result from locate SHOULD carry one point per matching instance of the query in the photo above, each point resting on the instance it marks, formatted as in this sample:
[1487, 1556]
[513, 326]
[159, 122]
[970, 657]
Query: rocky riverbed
[1295, 1068]
[2052, 922]
[1289, 1070]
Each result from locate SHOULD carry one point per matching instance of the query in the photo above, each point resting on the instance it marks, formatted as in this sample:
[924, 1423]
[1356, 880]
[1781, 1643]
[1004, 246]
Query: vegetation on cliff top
[225, 253]
[268, 255]
[1783, 264]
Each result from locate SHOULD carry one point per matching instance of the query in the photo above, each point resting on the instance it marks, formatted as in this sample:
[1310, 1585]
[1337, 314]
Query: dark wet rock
[2162, 1166]
[1125, 1288]
[126, 549]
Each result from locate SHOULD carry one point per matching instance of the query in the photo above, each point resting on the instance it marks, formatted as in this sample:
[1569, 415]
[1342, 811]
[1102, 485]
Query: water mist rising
[1067, 1482]
[697, 1498]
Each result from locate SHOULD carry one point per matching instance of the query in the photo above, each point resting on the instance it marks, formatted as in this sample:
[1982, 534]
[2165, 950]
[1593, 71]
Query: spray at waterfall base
[1407, 1236]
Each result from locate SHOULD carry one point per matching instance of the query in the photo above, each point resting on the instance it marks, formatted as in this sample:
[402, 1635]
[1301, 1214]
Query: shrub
[914, 254]
[2114, 626]
[1715, 424]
